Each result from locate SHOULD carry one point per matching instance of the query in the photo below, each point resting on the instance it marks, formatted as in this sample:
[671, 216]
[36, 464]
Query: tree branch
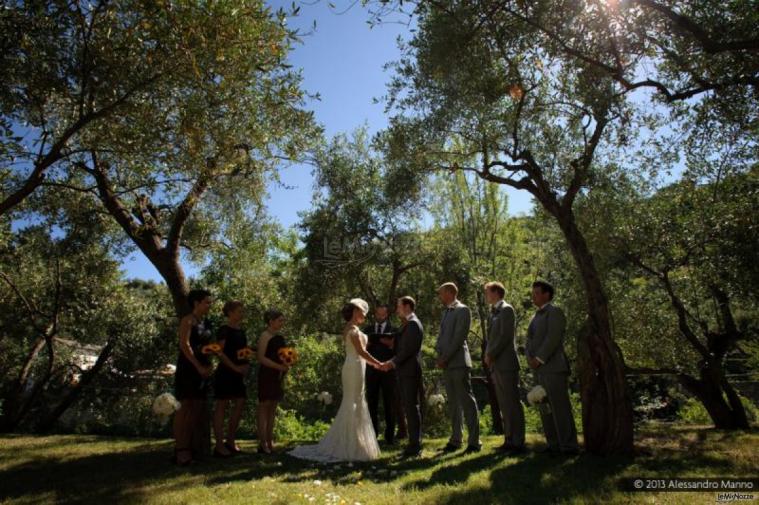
[147, 241]
[686, 25]
[55, 153]
[185, 209]
[581, 165]
[677, 304]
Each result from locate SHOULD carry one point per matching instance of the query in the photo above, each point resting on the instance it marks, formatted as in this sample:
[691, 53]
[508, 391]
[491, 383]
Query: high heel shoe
[232, 448]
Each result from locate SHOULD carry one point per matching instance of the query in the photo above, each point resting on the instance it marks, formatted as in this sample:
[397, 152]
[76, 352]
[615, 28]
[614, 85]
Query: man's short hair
[544, 287]
[450, 287]
[383, 306]
[408, 302]
[496, 287]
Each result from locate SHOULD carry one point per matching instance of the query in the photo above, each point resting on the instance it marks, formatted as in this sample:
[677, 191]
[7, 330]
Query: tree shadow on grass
[100, 477]
[388, 468]
[541, 478]
[121, 476]
[11, 444]
[530, 478]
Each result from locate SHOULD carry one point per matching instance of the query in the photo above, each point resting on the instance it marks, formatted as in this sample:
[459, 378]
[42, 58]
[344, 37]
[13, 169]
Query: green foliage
[158, 91]
[361, 238]
[318, 369]
[291, 425]
[693, 412]
[66, 293]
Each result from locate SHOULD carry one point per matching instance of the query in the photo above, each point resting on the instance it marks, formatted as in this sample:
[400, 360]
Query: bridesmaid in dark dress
[229, 379]
[193, 370]
[270, 374]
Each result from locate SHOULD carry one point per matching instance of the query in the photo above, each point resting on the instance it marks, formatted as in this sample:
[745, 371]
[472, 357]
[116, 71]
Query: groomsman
[380, 346]
[453, 357]
[408, 365]
[545, 355]
[501, 359]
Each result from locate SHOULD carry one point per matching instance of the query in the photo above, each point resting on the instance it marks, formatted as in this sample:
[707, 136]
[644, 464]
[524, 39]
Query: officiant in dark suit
[382, 383]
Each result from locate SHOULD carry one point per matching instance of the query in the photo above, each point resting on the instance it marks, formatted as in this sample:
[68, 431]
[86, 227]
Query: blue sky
[342, 61]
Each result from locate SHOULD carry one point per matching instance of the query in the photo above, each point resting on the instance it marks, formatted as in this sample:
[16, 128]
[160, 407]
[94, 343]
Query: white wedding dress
[351, 436]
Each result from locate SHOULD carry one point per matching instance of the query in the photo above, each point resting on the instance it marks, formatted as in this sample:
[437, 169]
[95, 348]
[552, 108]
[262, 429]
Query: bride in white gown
[351, 436]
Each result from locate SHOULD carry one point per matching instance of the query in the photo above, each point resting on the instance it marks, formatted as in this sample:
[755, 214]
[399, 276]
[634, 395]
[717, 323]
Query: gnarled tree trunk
[606, 408]
[73, 394]
[717, 396]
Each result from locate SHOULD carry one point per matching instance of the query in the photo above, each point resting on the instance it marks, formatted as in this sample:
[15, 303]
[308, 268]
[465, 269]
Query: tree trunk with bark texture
[606, 408]
[718, 397]
[73, 394]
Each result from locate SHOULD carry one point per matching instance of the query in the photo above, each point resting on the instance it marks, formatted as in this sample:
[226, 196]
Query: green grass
[104, 470]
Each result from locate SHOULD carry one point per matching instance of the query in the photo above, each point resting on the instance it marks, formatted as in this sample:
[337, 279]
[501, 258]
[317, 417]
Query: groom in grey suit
[501, 360]
[408, 365]
[545, 355]
[453, 357]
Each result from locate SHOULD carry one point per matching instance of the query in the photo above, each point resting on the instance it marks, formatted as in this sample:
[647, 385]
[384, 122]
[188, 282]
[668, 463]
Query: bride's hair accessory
[361, 304]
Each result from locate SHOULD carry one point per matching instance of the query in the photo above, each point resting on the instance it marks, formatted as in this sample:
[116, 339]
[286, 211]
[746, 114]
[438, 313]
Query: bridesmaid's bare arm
[262, 343]
[185, 328]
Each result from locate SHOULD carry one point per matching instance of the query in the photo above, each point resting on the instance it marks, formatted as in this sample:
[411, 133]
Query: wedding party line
[381, 361]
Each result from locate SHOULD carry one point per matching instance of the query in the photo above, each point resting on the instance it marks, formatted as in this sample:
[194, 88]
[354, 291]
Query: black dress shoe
[219, 454]
[450, 448]
[472, 449]
[547, 450]
[509, 448]
[411, 452]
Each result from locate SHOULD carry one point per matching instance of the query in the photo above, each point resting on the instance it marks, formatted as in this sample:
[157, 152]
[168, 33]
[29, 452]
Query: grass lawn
[104, 470]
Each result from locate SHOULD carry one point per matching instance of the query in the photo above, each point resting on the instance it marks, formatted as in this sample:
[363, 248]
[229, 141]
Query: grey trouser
[507, 391]
[458, 387]
[558, 422]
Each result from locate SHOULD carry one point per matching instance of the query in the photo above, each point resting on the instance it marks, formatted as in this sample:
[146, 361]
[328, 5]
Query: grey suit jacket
[451, 344]
[408, 348]
[545, 340]
[501, 342]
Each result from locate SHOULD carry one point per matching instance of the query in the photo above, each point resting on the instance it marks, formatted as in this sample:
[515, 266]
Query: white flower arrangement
[324, 397]
[435, 400]
[537, 395]
[165, 404]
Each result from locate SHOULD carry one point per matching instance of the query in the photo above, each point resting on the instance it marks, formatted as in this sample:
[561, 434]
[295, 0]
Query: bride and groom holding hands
[351, 437]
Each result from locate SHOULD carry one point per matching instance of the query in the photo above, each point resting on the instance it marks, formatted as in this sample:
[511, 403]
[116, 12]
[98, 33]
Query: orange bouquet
[245, 354]
[288, 356]
[211, 349]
